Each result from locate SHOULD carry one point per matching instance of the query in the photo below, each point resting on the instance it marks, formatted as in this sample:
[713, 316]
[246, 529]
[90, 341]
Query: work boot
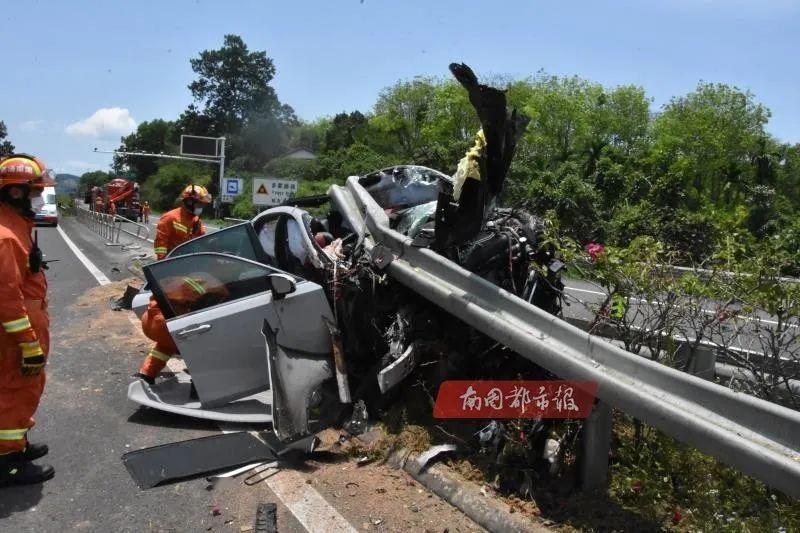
[147, 379]
[34, 451]
[21, 472]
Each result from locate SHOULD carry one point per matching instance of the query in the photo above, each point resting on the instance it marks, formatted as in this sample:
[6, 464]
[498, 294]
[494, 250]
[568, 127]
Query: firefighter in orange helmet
[185, 294]
[182, 223]
[146, 212]
[24, 335]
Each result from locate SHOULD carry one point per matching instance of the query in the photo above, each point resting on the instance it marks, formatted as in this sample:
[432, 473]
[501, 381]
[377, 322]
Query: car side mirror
[281, 285]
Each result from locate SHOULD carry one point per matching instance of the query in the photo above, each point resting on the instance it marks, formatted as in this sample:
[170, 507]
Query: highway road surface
[89, 424]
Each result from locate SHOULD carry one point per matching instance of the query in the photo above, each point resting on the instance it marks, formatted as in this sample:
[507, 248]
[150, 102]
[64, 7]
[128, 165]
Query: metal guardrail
[710, 359]
[142, 230]
[111, 226]
[105, 225]
[759, 438]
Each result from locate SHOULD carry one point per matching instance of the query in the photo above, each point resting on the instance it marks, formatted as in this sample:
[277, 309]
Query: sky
[80, 74]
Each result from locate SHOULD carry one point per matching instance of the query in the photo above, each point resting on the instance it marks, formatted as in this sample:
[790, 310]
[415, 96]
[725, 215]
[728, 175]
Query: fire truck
[120, 193]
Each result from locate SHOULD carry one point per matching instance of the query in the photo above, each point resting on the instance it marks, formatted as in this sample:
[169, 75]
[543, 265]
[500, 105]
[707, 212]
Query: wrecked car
[310, 322]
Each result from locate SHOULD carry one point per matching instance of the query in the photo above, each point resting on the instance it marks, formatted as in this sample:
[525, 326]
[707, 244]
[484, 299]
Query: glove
[33, 359]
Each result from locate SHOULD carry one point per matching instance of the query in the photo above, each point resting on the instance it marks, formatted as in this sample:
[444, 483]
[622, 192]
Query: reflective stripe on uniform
[15, 326]
[13, 434]
[160, 249]
[180, 227]
[155, 354]
[199, 289]
[31, 349]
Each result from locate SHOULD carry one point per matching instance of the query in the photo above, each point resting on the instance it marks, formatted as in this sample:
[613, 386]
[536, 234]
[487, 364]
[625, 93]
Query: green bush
[163, 188]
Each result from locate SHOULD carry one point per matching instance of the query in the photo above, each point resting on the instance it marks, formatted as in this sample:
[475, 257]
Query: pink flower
[595, 250]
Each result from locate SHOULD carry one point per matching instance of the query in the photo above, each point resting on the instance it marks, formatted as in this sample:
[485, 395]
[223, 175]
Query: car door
[220, 334]
[239, 240]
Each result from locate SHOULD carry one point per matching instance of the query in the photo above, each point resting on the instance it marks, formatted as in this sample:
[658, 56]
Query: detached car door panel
[216, 306]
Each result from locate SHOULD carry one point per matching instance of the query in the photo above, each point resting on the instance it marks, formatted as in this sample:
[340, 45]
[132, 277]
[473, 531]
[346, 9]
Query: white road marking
[575, 289]
[306, 504]
[93, 270]
[708, 311]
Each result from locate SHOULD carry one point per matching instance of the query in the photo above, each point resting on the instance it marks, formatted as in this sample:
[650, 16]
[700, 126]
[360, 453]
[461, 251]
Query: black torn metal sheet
[166, 463]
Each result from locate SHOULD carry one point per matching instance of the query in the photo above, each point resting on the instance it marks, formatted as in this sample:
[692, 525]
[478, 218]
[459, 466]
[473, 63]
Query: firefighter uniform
[24, 339]
[24, 323]
[146, 212]
[176, 227]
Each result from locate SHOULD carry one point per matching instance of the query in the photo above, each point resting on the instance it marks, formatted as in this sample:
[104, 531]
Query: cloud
[31, 125]
[105, 122]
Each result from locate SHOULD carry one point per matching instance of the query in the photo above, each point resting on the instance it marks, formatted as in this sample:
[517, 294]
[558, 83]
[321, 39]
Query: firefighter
[24, 335]
[185, 294]
[182, 223]
[146, 212]
[98, 204]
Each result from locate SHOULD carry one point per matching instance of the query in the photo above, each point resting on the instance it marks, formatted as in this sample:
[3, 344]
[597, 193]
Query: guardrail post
[704, 363]
[595, 446]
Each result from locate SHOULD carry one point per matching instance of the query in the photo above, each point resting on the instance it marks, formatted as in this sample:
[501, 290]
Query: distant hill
[67, 183]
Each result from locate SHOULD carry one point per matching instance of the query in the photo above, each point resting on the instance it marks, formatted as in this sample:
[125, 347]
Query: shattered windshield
[403, 186]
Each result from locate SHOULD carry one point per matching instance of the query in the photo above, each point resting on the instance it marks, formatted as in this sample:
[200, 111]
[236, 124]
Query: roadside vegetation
[699, 171]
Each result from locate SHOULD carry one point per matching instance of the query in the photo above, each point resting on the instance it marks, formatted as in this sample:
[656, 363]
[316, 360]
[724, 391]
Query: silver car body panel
[174, 396]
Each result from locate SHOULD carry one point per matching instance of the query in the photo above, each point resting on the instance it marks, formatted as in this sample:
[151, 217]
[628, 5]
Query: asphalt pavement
[88, 423]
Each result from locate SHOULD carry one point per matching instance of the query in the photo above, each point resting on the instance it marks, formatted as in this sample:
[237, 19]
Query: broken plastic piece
[433, 452]
[381, 257]
[266, 518]
[358, 421]
[398, 370]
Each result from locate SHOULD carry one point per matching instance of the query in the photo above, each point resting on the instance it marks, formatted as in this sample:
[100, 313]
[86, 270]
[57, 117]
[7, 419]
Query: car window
[236, 240]
[191, 283]
[49, 199]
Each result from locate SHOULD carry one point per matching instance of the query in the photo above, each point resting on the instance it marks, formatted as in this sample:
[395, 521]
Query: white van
[47, 215]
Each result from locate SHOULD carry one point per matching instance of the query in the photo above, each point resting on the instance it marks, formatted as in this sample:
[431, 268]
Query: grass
[686, 490]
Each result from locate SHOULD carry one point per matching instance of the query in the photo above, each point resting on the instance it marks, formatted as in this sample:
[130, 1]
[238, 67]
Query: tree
[401, 113]
[96, 178]
[163, 187]
[233, 86]
[344, 130]
[706, 142]
[156, 136]
[6, 148]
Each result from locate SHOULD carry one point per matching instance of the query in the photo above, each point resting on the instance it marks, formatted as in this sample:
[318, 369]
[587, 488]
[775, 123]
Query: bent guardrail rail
[757, 437]
[142, 230]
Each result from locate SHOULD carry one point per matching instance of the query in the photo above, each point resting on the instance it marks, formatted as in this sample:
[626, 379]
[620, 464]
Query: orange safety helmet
[198, 193]
[24, 169]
